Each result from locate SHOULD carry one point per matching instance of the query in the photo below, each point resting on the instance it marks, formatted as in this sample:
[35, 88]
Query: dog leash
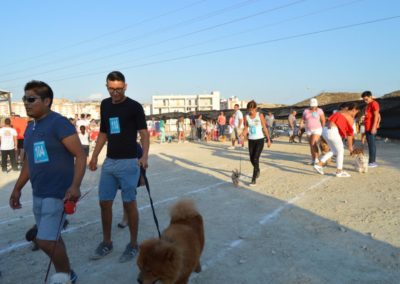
[70, 206]
[146, 181]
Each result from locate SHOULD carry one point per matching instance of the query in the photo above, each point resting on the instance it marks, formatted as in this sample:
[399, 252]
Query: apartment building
[185, 103]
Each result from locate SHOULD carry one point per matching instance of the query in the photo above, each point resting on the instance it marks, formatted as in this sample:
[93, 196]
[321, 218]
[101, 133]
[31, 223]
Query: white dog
[360, 162]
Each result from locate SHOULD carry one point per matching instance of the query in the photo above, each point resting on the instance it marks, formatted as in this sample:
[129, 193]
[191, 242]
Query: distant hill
[330, 98]
[392, 95]
[264, 105]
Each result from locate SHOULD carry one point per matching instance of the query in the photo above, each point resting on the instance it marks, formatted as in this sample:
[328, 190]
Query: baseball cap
[313, 102]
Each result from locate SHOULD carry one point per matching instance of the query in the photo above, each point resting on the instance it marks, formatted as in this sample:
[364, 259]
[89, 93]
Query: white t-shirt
[7, 138]
[84, 138]
[238, 116]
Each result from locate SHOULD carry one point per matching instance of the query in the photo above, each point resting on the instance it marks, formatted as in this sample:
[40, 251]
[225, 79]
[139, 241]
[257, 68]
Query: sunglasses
[118, 91]
[30, 100]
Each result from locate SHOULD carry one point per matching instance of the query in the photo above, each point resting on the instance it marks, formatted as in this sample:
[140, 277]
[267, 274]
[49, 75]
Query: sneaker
[253, 183]
[129, 253]
[258, 173]
[372, 165]
[74, 277]
[319, 169]
[343, 174]
[101, 251]
[231, 148]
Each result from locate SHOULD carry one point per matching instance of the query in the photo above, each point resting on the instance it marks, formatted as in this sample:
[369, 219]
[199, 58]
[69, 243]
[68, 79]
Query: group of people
[339, 127]
[55, 163]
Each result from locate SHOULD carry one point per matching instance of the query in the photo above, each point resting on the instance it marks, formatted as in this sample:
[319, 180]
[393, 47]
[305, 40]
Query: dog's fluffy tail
[183, 210]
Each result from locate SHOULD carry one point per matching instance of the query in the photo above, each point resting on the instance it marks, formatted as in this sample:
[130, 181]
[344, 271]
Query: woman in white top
[255, 127]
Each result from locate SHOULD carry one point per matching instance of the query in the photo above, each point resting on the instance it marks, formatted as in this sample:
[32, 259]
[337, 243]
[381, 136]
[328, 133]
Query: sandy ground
[295, 227]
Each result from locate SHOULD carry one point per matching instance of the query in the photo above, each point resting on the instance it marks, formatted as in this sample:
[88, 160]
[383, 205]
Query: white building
[230, 103]
[185, 103]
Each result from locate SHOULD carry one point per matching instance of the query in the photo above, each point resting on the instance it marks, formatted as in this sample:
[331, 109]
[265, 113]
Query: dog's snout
[139, 280]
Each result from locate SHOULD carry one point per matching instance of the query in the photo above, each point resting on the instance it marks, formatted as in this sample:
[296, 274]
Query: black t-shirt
[121, 123]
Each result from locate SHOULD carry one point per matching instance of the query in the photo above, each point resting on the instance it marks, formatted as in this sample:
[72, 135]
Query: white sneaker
[231, 148]
[343, 174]
[319, 169]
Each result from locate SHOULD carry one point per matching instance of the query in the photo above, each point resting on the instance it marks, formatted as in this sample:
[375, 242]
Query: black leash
[146, 181]
[55, 245]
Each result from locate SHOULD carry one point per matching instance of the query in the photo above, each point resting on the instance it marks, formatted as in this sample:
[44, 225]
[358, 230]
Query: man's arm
[145, 141]
[21, 181]
[375, 124]
[101, 140]
[74, 146]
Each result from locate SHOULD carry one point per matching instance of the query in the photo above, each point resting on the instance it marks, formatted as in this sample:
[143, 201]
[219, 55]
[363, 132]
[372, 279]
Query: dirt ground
[295, 227]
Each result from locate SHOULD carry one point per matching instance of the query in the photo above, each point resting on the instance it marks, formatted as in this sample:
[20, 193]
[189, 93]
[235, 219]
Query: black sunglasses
[26, 99]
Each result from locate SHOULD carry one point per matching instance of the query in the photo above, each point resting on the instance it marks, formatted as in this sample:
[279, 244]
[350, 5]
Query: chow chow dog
[173, 257]
[361, 161]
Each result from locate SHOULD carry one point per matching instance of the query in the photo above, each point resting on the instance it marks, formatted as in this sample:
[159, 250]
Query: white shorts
[317, 131]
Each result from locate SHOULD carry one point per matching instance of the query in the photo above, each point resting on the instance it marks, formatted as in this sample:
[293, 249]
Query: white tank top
[255, 127]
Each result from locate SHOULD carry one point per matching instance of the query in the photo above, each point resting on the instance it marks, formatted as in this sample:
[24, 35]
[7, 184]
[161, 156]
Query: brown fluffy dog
[176, 255]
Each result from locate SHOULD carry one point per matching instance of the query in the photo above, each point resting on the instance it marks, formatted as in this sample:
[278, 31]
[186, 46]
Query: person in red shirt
[19, 124]
[371, 123]
[338, 126]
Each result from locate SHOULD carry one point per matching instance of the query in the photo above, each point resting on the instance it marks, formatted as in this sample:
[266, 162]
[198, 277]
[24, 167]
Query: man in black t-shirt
[121, 119]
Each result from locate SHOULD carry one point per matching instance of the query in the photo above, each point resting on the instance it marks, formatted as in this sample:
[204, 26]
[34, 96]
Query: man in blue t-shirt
[55, 164]
[121, 119]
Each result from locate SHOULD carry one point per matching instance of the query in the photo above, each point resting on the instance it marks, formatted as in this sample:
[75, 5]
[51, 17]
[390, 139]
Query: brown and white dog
[360, 161]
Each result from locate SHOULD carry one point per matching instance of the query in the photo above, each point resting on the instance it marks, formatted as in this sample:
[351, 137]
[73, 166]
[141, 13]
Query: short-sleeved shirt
[19, 124]
[51, 165]
[221, 119]
[7, 135]
[312, 118]
[292, 121]
[369, 115]
[269, 120]
[121, 122]
[238, 116]
[343, 125]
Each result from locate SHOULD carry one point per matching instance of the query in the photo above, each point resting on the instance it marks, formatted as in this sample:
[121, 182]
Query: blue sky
[270, 51]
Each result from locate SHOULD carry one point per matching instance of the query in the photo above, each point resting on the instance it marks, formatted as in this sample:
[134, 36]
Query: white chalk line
[266, 219]
[71, 229]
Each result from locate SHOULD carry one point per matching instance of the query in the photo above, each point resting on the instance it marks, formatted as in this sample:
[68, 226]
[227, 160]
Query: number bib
[40, 153]
[114, 125]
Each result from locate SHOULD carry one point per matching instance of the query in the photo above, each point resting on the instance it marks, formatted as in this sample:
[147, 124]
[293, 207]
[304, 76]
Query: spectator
[269, 119]
[221, 123]
[162, 130]
[8, 145]
[292, 126]
[238, 126]
[180, 126]
[19, 124]
[371, 124]
[199, 124]
[193, 130]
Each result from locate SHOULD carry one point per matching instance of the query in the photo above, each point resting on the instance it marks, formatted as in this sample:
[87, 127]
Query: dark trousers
[371, 146]
[221, 130]
[255, 149]
[4, 155]
[199, 133]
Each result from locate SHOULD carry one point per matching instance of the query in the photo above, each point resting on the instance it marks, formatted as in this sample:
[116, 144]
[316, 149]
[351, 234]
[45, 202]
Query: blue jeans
[221, 130]
[371, 146]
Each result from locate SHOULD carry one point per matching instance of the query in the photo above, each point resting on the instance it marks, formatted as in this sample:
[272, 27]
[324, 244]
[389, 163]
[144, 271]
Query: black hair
[366, 94]
[7, 121]
[251, 104]
[40, 89]
[115, 76]
[349, 106]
